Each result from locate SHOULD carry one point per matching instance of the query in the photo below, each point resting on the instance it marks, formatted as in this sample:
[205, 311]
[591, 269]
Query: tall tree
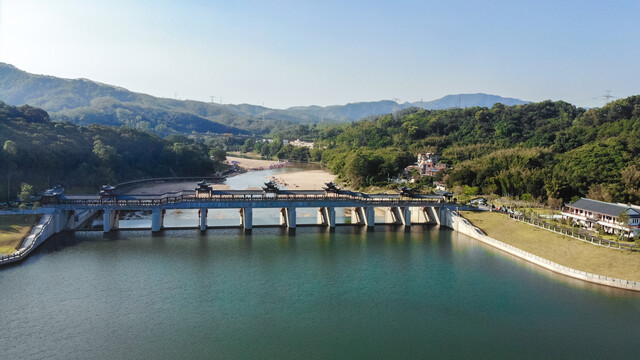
[623, 220]
[10, 153]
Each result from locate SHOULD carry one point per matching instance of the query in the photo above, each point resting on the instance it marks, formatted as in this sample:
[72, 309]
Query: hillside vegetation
[84, 102]
[539, 150]
[42, 153]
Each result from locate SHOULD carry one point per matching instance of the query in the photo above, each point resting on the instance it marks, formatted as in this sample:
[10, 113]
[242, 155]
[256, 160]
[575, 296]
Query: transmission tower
[607, 96]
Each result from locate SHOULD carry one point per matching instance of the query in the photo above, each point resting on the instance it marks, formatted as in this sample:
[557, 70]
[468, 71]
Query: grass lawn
[541, 211]
[561, 249]
[14, 228]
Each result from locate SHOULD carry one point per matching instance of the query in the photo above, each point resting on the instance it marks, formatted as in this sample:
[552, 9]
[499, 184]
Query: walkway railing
[244, 198]
[595, 240]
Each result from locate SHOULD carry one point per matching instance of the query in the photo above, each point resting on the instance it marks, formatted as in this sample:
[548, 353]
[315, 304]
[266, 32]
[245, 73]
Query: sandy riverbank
[252, 163]
[297, 180]
[304, 179]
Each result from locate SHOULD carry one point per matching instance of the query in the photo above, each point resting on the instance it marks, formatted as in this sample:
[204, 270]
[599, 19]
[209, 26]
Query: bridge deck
[187, 199]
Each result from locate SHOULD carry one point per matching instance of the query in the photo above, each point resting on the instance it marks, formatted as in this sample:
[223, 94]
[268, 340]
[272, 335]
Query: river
[315, 293]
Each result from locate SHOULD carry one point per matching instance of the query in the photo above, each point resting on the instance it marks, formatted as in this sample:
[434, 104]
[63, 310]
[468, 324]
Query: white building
[592, 213]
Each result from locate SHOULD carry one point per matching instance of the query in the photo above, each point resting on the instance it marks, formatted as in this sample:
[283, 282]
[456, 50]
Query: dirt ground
[251, 163]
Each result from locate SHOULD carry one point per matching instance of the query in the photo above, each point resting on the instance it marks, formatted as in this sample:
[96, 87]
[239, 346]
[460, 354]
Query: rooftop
[602, 207]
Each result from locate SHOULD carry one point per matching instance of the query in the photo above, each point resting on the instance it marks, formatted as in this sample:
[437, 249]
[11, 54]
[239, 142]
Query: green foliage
[366, 167]
[218, 154]
[26, 191]
[542, 150]
[45, 153]
[526, 197]
[85, 102]
[470, 190]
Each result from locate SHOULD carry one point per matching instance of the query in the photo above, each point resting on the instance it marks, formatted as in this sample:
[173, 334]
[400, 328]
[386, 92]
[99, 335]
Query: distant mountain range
[359, 110]
[85, 102]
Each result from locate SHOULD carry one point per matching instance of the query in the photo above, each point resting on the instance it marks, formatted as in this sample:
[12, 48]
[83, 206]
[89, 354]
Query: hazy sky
[286, 53]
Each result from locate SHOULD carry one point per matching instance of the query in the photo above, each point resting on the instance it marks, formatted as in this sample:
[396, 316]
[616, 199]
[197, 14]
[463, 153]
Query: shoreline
[465, 227]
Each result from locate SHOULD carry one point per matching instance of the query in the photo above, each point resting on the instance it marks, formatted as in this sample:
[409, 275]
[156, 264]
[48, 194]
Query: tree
[554, 203]
[599, 192]
[414, 174]
[248, 146]
[10, 152]
[104, 152]
[26, 191]
[623, 220]
[218, 155]
[631, 179]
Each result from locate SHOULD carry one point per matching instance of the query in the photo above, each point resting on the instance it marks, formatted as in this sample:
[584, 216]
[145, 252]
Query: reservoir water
[315, 293]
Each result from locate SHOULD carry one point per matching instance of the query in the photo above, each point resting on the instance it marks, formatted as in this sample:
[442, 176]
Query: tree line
[37, 151]
[547, 150]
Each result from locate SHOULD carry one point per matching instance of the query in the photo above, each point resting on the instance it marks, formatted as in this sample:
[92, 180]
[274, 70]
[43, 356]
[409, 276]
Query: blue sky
[288, 53]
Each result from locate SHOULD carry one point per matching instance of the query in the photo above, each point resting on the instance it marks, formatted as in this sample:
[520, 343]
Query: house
[300, 143]
[428, 158]
[428, 164]
[592, 213]
[432, 171]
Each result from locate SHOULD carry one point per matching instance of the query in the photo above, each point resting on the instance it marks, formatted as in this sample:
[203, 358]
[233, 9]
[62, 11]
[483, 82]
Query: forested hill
[84, 102]
[541, 150]
[37, 151]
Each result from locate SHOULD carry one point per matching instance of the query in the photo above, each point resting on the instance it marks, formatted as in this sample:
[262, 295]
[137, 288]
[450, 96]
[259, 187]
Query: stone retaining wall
[462, 225]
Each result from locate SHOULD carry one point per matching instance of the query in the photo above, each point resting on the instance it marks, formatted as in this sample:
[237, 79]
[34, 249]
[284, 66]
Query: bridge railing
[243, 198]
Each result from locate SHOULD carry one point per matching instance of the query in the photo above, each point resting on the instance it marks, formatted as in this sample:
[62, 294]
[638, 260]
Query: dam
[403, 208]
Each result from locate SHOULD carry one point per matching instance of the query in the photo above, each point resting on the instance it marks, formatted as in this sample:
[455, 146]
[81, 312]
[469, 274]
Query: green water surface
[316, 294]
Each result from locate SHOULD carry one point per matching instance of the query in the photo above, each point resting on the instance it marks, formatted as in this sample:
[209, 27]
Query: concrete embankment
[462, 225]
[51, 222]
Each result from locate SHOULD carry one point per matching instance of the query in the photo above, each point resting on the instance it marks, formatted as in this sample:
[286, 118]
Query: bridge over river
[404, 208]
